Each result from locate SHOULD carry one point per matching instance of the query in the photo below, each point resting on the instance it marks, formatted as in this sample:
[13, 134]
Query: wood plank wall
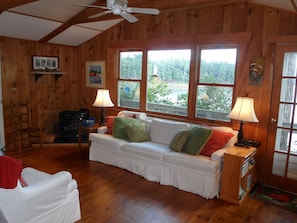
[262, 22]
[70, 93]
[46, 96]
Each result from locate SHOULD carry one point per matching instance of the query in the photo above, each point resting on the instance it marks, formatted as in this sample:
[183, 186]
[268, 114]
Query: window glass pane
[292, 167]
[214, 102]
[279, 164]
[285, 115]
[282, 140]
[129, 94]
[290, 65]
[131, 65]
[168, 81]
[217, 66]
[293, 149]
[287, 90]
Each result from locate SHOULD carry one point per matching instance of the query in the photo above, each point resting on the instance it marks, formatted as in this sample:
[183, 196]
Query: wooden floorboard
[110, 194]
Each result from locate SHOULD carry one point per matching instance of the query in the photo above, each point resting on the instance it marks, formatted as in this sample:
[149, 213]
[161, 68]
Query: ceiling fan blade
[98, 14]
[130, 18]
[150, 11]
[91, 6]
[121, 3]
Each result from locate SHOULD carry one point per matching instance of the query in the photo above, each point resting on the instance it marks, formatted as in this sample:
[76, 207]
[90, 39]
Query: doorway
[282, 140]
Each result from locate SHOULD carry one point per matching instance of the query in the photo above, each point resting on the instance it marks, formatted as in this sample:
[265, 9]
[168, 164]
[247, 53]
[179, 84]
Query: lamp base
[102, 117]
[241, 145]
[247, 143]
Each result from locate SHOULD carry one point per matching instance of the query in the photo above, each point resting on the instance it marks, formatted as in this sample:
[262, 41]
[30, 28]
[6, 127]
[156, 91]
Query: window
[168, 74]
[215, 83]
[169, 81]
[130, 75]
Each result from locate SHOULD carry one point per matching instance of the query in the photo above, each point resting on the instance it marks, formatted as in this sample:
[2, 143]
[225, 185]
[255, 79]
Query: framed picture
[45, 63]
[95, 74]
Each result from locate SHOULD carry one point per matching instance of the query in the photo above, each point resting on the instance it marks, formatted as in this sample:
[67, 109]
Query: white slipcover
[47, 198]
[155, 161]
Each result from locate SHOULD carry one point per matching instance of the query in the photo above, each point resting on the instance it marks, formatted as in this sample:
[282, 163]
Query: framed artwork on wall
[95, 74]
[45, 63]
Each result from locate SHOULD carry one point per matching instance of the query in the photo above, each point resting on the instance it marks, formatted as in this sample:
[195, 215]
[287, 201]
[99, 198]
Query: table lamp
[103, 100]
[243, 111]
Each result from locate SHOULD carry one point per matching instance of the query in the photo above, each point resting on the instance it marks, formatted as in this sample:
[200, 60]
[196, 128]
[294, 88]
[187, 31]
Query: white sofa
[155, 161]
[47, 198]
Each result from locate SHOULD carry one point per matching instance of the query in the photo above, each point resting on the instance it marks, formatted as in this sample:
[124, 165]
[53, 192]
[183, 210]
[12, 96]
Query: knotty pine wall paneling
[261, 21]
[47, 96]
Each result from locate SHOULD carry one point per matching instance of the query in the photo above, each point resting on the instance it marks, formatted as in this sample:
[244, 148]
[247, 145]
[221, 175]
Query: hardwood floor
[110, 194]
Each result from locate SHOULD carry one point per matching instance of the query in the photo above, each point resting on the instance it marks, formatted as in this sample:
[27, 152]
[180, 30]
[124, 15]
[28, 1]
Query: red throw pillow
[10, 172]
[109, 120]
[217, 140]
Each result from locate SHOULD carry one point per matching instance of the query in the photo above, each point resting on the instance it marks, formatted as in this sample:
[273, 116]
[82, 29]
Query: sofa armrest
[218, 155]
[102, 130]
[39, 197]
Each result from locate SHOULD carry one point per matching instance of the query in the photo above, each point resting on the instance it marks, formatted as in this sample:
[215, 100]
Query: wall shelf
[39, 74]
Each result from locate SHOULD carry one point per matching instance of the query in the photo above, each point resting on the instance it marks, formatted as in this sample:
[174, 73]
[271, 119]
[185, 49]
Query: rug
[275, 196]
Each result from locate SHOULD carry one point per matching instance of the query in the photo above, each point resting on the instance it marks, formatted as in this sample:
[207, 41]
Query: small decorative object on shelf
[46, 65]
[89, 122]
[239, 174]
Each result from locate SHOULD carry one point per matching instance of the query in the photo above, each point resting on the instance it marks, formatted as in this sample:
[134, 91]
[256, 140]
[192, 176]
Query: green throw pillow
[137, 132]
[119, 127]
[179, 140]
[197, 139]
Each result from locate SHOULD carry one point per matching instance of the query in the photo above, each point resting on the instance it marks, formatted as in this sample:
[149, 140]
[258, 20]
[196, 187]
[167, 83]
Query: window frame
[118, 77]
[240, 39]
[197, 75]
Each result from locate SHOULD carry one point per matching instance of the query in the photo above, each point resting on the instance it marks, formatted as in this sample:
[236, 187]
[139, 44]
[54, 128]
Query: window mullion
[143, 82]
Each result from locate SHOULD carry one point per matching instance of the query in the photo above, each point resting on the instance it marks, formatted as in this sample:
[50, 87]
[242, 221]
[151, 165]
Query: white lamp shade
[243, 110]
[103, 99]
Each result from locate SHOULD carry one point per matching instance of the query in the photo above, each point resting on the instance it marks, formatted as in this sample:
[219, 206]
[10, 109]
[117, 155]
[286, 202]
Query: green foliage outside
[158, 92]
[215, 99]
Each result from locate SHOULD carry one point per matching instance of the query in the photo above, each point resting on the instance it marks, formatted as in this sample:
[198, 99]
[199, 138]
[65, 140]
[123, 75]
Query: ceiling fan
[120, 7]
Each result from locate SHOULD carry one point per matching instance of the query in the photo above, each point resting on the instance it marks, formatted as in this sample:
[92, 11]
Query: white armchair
[47, 198]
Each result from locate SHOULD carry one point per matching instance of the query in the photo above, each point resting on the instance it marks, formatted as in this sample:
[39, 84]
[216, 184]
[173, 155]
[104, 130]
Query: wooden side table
[239, 174]
[88, 130]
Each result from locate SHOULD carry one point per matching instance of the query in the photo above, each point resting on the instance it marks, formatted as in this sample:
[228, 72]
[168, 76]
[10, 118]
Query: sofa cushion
[146, 149]
[164, 131]
[119, 127]
[196, 140]
[147, 123]
[132, 114]
[179, 140]
[107, 140]
[217, 140]
[197, 163]
[137, 132]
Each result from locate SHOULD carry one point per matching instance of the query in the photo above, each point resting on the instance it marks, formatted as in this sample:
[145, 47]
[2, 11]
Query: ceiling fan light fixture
[117, 11]
[119, 7]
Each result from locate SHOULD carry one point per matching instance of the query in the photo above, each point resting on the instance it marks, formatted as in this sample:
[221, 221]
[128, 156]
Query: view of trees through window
[215, 83]
[130, 76]
[167, 81]
[168, 74]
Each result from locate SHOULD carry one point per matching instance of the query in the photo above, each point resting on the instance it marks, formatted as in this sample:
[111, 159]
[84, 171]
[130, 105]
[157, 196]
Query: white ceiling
[35, 20]
[282, 4]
